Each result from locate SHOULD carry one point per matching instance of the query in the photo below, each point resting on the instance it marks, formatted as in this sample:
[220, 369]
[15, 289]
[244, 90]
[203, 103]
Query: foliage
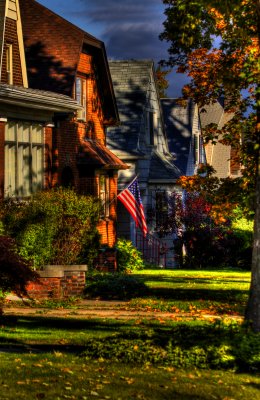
[15, 272]
[54, 227]
[205, 230]
[217, 43]
[113, 286]
[162, 82]
[224, 195]
[129, 259]
[209, 346]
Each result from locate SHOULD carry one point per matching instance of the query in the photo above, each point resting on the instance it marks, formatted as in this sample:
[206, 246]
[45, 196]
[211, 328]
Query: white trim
[21, 45]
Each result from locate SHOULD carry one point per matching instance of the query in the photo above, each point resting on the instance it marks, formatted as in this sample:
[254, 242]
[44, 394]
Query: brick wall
[12, 38]
[2, 162]
[59, 282]
[52, 48]
[94, 107]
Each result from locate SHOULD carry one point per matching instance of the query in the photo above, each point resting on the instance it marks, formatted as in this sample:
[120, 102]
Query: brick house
[56, 101]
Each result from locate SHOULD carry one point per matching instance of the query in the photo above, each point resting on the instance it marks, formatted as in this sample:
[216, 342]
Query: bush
[54, 227]
[215, 346]
[114, 286]
[15, 272]
[129, 259]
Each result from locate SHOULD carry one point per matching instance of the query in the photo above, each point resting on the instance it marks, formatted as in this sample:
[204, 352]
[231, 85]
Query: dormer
[12, 61]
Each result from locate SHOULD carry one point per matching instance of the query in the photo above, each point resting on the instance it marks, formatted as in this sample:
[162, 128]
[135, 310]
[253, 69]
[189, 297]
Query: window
[196, 148]
[9, 64]
[104, 195]
[24, 146]
[81, 96]
[151, 126]
[161, 209]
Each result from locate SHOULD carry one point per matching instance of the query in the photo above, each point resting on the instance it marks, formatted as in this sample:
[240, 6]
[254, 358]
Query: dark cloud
[133, 41]
[133, 11]
[130, 27]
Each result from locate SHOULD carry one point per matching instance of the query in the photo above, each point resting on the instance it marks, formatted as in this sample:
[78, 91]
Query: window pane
[23, 134]
[9, 187]
[79, 90]
[37, 168]
[37, 134]
[10, 131]
[23, 173]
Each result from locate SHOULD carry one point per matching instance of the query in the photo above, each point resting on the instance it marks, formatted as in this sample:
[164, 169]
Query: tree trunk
[253, 306]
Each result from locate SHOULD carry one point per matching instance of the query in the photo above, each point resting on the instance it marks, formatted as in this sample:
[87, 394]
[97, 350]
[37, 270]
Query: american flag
[131, 199]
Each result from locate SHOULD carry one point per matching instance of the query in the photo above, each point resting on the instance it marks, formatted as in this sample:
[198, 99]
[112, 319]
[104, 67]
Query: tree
[217, 44]
[15, 272]
[162, 82]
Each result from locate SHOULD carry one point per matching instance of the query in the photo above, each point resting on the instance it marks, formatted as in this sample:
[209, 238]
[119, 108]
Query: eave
[37, 99]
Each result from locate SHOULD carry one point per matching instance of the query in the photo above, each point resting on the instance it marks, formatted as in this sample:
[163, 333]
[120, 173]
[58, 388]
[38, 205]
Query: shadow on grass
[220, 295]
[184, 280]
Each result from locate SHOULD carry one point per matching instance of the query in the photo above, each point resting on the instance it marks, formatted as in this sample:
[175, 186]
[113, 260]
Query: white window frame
[81, 97]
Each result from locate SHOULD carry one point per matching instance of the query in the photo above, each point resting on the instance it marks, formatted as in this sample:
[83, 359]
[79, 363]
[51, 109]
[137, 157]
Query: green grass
[46, 357]
[221, 292]
[55, 376]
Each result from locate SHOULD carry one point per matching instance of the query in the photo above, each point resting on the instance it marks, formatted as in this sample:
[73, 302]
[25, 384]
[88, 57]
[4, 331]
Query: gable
[11, 44]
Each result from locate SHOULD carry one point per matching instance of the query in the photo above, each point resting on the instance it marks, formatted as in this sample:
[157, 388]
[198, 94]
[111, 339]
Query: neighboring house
[56, 101]
[221, 157]
[184, 134]
[140, 141]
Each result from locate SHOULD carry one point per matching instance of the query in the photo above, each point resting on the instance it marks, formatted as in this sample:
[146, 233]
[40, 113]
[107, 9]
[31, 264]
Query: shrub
[15, 272]
[115, 286]
[129, 259]
[54, 227]
[215, 346]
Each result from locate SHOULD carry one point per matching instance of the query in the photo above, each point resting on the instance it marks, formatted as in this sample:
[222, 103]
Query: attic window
[9, 64]
[81, 96]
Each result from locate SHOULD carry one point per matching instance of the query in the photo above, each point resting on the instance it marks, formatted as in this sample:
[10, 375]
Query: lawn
[219, 292]
[71, 357]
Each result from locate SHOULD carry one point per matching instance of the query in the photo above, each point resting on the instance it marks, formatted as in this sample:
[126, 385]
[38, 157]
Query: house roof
[39, 99]
[131, 80]
[96, 154]
[162, 169]
[178, 126]
[53, 46]
[215, 113]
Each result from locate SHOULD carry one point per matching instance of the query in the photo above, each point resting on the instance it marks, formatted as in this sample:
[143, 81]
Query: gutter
[37, 99]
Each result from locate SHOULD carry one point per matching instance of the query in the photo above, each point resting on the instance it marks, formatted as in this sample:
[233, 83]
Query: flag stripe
[131, 199]
[132, 209]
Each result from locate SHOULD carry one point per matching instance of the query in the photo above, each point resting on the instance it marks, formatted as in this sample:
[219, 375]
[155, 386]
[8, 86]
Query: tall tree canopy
[217, 44]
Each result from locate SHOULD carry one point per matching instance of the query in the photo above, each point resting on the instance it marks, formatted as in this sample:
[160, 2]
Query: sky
[129, 28]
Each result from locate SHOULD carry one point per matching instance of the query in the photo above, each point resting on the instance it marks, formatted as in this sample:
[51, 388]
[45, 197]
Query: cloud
[131, 41]
[133, 11]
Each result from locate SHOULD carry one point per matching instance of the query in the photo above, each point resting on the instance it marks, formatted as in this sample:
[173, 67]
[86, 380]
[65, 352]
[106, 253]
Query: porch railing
[153, 249]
